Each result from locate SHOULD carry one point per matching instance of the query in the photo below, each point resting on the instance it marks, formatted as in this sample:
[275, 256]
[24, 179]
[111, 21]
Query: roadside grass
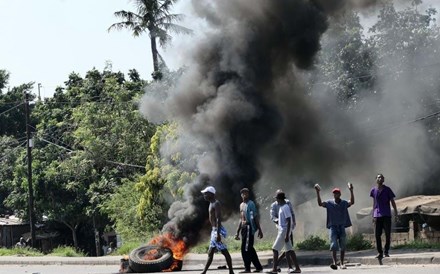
[28, 252]
[127, 247]
[66, 251]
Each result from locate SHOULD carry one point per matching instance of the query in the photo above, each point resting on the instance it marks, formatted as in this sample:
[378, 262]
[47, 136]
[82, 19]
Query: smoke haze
[246, 119]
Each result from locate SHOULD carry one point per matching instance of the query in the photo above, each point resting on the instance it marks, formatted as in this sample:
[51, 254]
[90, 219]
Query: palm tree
[154, 17]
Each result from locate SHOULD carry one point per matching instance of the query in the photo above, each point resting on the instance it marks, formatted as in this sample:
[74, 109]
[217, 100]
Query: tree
[154, 17]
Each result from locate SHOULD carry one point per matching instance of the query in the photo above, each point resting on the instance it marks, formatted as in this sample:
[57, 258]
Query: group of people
[282, 214]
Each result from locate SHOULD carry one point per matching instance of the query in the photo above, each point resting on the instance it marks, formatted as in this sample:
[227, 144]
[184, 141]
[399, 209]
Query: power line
[15, 148]
[12, 108]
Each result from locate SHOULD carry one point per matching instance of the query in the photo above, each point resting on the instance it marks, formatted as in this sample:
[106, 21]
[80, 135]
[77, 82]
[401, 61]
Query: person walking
[283, 236]
[337, 220]
[274, 209]
[248, 225]
[382, 197]
[217, 231]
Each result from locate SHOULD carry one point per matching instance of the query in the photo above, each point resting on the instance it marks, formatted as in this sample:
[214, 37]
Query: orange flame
[177, 246]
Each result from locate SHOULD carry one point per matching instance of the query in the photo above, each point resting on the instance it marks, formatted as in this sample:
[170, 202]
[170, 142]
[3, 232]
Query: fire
[177, 246]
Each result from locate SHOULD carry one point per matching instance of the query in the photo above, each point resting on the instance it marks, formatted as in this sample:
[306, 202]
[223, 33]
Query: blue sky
[45, 40]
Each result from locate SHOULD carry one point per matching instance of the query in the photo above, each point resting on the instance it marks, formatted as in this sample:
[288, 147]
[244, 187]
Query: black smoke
[244, 116]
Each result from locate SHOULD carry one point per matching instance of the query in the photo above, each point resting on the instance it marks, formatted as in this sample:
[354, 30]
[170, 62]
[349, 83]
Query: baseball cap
[210, 189]
[244, 190]
[336, 190]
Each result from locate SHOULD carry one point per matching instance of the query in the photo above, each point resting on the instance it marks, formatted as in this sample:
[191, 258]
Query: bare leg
[342, 259]
[335, 260]
[228, 260]
[275, 260]
[209, 261]
[294, 260]
[289, 258]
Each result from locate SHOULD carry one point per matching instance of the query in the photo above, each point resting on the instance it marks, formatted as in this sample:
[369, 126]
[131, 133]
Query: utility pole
[29, 169]
[39, 94]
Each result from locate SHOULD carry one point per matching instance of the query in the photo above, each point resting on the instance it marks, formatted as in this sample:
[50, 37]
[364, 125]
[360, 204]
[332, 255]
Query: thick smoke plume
[244, 116]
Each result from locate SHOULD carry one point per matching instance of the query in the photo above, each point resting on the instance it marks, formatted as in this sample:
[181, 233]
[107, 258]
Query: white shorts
[280, 242]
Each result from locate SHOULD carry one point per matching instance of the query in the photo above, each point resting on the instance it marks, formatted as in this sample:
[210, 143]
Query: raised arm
[318, 196]
[351, 201]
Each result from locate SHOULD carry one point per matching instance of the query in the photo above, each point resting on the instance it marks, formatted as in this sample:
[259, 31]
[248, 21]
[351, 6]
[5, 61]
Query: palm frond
[170, 18]
[177, 28]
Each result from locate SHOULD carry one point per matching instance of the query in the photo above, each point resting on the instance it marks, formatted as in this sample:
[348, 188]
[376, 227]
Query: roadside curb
[306, 258]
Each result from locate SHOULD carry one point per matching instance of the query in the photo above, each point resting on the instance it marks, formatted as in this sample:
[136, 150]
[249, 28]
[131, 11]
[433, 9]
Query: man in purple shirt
[382, 197]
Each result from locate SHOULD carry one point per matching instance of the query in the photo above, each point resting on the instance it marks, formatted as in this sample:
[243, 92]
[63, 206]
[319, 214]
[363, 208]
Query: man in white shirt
[285, 226]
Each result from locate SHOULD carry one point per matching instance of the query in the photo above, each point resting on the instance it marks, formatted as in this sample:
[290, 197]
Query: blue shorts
[220, 246]
[338, 238]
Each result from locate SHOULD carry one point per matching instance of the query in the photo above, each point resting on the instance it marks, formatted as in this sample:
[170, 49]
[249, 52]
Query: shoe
[386, 255]
[333, 266]
[294, 270]
[278, 269]
[257, 270]
[343, 266]
[379, 256]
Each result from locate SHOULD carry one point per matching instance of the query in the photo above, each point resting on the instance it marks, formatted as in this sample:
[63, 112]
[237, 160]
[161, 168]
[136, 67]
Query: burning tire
[150, 258]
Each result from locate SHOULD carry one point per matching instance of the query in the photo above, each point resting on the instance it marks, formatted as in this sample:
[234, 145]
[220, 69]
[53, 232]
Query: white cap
[209, 189]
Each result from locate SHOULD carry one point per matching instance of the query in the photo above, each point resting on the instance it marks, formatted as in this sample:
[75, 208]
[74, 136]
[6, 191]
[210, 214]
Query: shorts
[213, 241]
[280, 242]
[338, 238]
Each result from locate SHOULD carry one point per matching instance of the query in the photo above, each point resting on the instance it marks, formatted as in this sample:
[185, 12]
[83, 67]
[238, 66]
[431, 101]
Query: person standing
[337, 220]
[382, 197]
[248, 225]
[283, 236]
[217, 231]
[274, 209]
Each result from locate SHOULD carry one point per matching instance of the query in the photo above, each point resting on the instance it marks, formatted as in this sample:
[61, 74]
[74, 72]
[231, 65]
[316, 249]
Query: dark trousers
[383, 224]
[247, 249]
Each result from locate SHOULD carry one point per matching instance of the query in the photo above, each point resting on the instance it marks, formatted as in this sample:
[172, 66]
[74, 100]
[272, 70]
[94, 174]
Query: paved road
[401, 261]
[109, 269]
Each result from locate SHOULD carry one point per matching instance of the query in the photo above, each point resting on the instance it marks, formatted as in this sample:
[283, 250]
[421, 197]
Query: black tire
[138, 264]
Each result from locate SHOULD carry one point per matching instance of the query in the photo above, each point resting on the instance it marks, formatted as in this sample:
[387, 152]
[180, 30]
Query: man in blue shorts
[217, 231]
[337, 220]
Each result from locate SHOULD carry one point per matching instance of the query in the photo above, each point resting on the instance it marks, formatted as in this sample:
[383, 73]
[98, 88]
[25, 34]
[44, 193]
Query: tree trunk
[156, 73]
[73, 228]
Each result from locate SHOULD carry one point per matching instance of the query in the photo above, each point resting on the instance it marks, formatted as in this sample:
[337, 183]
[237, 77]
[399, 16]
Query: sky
[43, 41]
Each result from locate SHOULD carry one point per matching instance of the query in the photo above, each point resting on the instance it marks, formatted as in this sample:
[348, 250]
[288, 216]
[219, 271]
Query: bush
[127, 247]
[357, 242]
[66, 251]
[313, 243]
[19, 251]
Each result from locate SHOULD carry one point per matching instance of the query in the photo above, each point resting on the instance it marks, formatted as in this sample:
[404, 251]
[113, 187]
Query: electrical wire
[12, 108]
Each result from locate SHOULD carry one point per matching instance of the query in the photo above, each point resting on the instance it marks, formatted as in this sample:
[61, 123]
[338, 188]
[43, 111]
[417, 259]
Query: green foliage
[357, 242]
[121, 208]
[66, 251]
[127, 247]
[20, 251]
[313, 243]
